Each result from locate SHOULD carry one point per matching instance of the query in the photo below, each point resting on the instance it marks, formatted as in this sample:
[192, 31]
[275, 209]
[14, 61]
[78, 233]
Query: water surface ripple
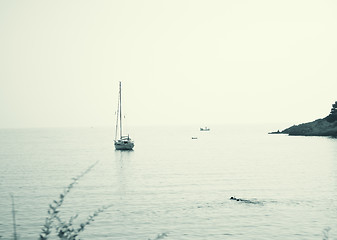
[172, 186]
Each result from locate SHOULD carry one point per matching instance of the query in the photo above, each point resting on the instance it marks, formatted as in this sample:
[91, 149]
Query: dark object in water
[244, 200]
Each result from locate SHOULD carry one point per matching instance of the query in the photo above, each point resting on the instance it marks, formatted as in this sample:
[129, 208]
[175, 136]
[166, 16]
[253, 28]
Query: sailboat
[124, 142]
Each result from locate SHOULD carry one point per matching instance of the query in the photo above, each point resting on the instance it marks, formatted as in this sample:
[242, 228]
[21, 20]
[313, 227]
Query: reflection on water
[333, 162]
[123, 161]
[123, 157]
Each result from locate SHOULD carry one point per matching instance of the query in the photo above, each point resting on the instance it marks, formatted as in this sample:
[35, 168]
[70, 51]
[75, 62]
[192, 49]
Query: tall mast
[117, 118]
[120, 109]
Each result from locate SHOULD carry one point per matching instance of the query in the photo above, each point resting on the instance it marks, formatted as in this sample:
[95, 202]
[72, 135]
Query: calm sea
[172, 186]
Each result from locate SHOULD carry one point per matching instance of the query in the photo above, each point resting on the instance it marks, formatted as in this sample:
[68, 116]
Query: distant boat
[205, 129]
[194, 138]
[124, 142]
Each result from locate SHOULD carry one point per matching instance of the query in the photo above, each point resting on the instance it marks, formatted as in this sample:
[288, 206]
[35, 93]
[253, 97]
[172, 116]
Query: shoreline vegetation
[321, 127]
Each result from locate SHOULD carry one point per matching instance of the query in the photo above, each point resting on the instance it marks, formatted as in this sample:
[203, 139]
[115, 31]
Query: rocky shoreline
[321, 127]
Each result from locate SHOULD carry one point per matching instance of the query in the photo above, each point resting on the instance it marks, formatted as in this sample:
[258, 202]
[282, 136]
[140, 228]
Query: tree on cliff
[333, 113]
[334, 108]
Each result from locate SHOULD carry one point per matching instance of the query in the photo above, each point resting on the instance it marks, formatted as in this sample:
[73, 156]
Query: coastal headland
[321, 127]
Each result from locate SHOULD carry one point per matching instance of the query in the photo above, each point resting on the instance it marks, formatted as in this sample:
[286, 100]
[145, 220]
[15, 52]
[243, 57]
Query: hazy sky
[180, 62]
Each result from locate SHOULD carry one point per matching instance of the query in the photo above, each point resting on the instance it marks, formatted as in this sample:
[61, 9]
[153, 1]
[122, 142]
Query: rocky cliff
[321, 127]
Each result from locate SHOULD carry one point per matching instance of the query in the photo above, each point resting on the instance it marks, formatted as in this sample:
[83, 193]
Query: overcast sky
[180, 62]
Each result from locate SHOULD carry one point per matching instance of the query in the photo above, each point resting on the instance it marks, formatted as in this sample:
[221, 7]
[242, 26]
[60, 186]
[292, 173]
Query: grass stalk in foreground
[65, 229]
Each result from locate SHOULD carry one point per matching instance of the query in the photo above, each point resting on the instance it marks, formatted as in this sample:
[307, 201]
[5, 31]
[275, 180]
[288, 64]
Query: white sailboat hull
[124, 145]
